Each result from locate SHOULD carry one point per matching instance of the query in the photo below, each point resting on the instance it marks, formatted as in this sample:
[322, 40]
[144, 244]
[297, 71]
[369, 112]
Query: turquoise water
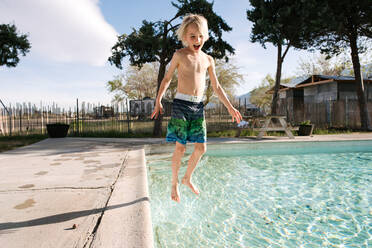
[299, 194]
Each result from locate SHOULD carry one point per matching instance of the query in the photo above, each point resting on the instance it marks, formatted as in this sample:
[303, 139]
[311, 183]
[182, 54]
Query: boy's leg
[176, 162]
[199, 150]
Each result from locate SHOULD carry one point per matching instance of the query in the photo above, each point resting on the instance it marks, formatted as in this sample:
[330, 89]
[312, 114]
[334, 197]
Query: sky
[72, 39]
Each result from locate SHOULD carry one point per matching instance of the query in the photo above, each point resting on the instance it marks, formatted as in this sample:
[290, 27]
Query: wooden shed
[324, 100]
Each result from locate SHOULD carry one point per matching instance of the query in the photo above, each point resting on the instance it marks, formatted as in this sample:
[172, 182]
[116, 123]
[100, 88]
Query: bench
[262, 124]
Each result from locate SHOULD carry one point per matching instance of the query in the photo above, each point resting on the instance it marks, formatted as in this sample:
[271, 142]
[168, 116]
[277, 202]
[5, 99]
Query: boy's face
[194, 38]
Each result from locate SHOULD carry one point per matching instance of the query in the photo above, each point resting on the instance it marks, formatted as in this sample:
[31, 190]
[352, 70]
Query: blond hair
[198, 20]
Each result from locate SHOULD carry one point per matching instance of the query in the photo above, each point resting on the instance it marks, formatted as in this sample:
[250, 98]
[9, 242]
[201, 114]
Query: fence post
[239, 105]
[10, 121]
[77, 116]
[127, 102]
[42, 117]
[8, 115]
[20, 121]
[245, 106]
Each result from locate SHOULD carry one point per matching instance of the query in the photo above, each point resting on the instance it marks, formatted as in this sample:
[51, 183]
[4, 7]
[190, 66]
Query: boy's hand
[158, 109]
[235, 114]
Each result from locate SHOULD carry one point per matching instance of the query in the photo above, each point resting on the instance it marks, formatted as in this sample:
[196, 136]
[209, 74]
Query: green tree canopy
[157, 41]
[283, 23]
[12, 45]
[341, 25]
[260, 96]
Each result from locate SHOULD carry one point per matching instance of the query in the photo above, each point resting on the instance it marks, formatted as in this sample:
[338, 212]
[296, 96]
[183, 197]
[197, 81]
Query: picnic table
[265, 123]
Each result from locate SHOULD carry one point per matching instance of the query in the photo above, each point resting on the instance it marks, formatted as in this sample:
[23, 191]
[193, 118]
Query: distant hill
[245, 97]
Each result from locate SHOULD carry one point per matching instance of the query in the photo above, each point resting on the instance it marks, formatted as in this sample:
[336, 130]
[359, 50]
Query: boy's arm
[168, 77]
[221, 93]
[164, 85]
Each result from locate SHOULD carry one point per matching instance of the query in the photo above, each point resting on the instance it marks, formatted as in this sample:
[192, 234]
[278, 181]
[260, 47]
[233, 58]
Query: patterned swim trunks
[187, 123]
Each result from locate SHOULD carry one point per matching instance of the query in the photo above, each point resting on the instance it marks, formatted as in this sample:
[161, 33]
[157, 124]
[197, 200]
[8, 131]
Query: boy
[187, 122]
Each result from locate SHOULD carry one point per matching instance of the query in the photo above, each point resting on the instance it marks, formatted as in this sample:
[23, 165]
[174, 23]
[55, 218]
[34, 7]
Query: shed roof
[308, 80]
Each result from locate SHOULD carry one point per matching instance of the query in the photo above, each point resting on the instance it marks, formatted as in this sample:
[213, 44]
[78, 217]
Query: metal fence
[87, 118]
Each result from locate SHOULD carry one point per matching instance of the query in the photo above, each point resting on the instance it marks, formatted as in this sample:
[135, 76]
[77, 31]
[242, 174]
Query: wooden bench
[262, 124]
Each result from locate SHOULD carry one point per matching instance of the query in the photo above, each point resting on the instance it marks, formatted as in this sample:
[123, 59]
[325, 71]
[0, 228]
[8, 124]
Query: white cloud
[62, 30]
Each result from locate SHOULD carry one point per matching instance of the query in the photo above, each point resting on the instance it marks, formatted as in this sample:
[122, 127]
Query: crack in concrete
[90, 239]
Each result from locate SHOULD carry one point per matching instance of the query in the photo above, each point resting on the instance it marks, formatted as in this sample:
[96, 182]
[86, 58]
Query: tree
[283, 23]
[12, 45]
[259, 95]
[320, 65]
[228, 76]
[345, 24]
[338, 64]
[157, 41]
[137, 83]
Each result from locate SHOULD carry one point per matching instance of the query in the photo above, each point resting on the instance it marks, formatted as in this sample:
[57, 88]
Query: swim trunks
[187, 122]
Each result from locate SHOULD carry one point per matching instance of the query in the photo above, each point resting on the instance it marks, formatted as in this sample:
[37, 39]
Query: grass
[332, 131]
[11, 142]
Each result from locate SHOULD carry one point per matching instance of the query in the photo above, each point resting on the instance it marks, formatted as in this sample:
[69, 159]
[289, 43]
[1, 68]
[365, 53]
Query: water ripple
[293, 200]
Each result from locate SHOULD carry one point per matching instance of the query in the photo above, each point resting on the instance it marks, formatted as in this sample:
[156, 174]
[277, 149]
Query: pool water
[298, 194]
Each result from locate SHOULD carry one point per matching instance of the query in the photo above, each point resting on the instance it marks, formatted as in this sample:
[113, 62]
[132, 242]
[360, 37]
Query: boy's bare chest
[194, 64]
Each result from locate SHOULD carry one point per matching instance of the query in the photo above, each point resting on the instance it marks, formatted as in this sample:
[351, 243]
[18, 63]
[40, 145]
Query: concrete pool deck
[97, 184]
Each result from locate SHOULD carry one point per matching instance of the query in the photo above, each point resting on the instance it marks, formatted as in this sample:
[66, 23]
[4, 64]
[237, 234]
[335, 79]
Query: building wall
[294, 105]
[325, 105]
[348, 91]
[320, 93]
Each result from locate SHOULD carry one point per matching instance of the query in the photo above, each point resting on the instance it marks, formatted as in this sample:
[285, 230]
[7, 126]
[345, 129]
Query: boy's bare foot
[187, 182]
[175, 193]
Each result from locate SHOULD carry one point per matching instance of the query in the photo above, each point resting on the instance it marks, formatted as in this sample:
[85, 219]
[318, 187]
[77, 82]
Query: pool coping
[164, 147]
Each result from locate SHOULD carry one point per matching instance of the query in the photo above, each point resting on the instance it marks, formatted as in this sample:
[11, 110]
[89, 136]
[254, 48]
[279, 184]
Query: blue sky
[71, 41]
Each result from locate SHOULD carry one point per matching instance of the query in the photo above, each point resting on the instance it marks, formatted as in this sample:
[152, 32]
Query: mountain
[245, 97]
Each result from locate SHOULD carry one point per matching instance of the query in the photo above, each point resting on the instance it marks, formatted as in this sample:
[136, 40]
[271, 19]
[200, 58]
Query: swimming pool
[295, 194]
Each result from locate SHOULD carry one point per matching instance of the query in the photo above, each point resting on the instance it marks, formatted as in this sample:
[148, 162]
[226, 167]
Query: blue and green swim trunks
[187, 122]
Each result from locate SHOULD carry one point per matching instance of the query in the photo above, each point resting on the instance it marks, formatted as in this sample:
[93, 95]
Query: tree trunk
[274, 104]
[158, 122]
[364, 116]
[163, 64]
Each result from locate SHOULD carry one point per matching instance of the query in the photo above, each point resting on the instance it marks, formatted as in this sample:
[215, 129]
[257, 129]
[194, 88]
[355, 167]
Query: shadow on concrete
[64, 217]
